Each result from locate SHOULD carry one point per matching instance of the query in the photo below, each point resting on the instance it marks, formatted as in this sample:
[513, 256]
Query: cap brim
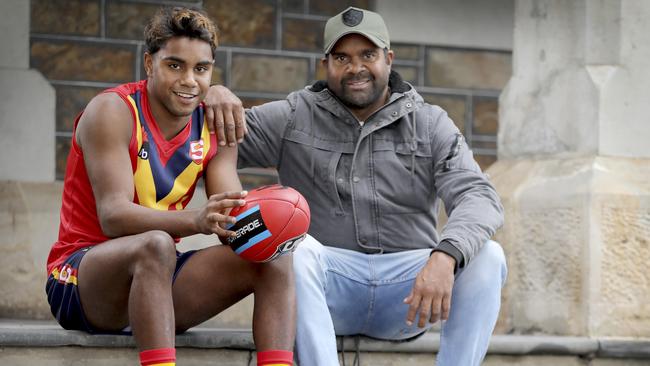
[378, 42]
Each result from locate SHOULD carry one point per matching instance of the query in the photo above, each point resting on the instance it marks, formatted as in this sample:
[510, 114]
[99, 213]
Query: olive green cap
[355, 20]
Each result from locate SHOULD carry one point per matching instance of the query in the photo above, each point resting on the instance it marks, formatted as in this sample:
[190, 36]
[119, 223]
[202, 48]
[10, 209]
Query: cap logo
[352, 17]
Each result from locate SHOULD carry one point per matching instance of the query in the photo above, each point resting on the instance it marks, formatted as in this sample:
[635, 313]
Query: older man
[374, 161]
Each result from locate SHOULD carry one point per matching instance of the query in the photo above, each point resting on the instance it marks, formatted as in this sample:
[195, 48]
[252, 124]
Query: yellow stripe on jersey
[143, 176]
[185, 180]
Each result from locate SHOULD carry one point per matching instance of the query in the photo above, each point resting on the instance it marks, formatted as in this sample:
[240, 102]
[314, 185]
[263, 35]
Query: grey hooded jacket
[375, 187]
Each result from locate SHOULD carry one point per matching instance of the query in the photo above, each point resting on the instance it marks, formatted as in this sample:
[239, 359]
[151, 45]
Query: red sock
[158, 357]
[275, 358]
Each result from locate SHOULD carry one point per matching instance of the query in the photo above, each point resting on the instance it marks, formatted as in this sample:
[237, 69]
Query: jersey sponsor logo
[196, 151]
[144, 151]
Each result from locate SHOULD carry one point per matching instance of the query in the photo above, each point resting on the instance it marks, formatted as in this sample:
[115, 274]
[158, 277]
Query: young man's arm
[221, 175]
[103, 133]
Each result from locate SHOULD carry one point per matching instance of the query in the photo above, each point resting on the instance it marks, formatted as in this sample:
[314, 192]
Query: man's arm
[474, 213]
[267, 125]
[103, 133]
[474, 210]
[263, 126]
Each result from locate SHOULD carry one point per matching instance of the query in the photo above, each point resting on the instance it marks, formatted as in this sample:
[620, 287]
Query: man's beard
[360, 100]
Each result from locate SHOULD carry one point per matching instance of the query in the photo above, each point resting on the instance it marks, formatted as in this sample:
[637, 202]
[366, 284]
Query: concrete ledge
[624, 348]
[46, 334]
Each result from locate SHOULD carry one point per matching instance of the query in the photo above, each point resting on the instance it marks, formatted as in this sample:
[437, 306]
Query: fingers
[429, 301]
[424, 313]
[240, 125]
[215, 210]
[216, 219]
[228, 195]
[221, 205]
[209, 118]
[414, 304]
[433, 315]
[446, 306]
[229, 122]
[219, 126]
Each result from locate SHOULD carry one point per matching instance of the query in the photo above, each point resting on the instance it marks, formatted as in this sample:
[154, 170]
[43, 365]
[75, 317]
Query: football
[273, 221]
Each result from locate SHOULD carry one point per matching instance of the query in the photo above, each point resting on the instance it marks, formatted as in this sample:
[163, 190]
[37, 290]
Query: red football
[272, 222]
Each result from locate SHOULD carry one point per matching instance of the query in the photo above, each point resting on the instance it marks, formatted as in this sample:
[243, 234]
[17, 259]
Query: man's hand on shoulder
[224, 113]
[431, 293]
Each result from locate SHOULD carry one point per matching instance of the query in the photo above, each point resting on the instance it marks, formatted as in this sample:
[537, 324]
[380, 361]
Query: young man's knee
[279, 268]
[156, 247]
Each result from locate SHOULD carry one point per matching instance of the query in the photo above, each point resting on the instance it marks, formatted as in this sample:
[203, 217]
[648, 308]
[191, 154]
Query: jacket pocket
[319, 161]
[403, 176]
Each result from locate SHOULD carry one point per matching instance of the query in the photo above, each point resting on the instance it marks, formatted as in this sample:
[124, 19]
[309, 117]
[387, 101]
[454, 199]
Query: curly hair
[179, 22]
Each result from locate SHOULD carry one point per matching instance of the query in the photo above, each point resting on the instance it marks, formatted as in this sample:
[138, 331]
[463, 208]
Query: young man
[138, 151]
[374, 160]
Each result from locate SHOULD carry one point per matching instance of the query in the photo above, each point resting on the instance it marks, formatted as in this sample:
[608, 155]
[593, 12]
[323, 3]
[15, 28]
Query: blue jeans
[343, 292]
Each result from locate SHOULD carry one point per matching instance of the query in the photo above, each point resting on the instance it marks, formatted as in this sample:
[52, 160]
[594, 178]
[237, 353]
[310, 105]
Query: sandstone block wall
[576, 239]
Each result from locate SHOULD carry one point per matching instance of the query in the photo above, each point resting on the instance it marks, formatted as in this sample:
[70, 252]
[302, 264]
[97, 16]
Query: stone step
[24, 342]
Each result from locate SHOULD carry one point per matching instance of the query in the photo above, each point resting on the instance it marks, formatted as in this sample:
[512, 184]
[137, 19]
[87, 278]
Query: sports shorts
[63, 295]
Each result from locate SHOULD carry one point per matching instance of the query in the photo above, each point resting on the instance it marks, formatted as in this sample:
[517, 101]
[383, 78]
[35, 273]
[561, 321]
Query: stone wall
[267, 49]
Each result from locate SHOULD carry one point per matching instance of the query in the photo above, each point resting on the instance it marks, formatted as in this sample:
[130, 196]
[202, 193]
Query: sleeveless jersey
[165, 173]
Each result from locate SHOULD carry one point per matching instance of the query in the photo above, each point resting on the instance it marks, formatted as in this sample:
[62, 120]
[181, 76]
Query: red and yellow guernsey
[165, 173]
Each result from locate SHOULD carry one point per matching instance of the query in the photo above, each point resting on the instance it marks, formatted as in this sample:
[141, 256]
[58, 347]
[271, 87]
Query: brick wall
[267, 49]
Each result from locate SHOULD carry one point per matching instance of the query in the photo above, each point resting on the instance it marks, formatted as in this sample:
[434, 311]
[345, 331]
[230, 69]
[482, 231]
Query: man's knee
[308, 267]
[155, 248]
[494, 250]
[493, 257]
[307, 255]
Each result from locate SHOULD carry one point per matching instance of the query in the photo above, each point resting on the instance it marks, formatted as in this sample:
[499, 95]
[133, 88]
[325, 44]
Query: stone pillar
[29, 198]
[26, 103]
[574, 169]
